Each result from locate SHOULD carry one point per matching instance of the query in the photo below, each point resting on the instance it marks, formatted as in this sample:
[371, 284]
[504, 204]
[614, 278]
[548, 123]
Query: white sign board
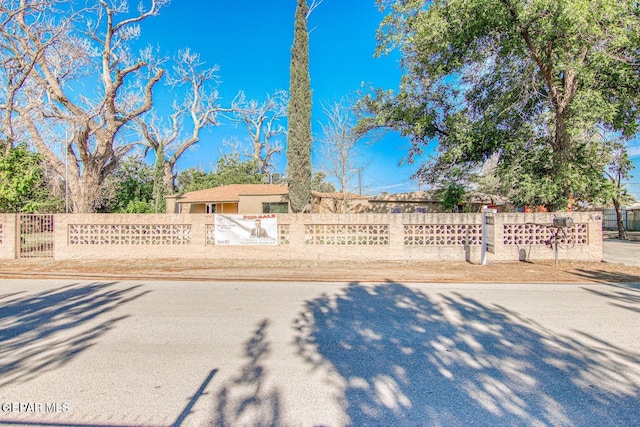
[259, 229]
[488, 236]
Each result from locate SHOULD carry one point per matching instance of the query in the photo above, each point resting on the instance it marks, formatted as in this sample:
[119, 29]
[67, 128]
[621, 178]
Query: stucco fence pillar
[8, 232]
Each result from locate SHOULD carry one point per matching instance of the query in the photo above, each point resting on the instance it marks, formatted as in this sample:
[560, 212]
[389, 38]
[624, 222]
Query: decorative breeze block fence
[442, 235]
[536, 234]
[346, 234]
[129, 234]
[357, 237]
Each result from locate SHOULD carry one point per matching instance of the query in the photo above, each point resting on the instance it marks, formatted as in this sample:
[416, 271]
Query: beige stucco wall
[149, 236]
[171, 204]
[98, 225]
[194, 208]
[7, 236]
[592, 251]
[253, 204]
[99, 246]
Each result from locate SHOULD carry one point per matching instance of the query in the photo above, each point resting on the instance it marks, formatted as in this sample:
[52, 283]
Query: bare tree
[81, 85]
[262, 121]
[314, 4]
[194, 110]
[340, 145]
[15, 65]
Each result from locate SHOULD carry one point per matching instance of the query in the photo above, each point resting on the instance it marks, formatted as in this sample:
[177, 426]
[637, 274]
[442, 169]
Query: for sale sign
[259, 229]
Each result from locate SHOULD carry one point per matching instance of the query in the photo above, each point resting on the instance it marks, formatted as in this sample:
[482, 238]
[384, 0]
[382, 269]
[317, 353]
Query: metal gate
[610, 219]
[35, 235]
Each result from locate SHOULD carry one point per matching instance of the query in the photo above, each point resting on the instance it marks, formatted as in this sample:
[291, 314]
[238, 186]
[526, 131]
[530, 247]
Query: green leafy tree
[22, 184]
[130, 189]
[231, 170]
[193, 179]
[451, 196]
[452, 183]
[319, 183]
[526, 80]
[299, 115]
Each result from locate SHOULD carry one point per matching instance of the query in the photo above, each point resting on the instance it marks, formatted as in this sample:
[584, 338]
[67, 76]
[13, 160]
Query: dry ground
[216, 270]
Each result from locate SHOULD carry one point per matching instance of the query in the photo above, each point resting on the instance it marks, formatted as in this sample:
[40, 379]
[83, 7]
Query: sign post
[488, 223]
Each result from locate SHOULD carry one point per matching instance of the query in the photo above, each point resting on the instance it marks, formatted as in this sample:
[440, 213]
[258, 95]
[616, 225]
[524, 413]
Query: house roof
[338, 195]
[431, 196]
[232, 193]
[416, 196]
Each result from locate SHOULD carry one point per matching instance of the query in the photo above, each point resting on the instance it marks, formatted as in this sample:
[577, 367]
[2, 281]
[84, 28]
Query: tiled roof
[232, 193]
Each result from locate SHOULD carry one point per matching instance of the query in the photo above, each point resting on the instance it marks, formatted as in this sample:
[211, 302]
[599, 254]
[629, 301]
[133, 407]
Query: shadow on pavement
[194, 399]
[411, 359]
[39, 333]
[247, 400]
[622, 296]
[607, 276]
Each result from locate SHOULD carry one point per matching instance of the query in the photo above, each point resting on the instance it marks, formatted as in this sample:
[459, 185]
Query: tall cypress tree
[299, 115]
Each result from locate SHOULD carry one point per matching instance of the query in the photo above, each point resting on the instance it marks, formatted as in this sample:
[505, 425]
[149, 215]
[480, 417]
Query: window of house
[275, 207]
[421, 210]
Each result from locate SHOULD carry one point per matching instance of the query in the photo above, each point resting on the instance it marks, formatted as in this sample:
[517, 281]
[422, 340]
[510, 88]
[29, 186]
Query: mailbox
[563, 222]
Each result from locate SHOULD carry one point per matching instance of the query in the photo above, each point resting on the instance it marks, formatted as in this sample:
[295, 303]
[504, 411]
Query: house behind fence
[357, 237]
[630, 218]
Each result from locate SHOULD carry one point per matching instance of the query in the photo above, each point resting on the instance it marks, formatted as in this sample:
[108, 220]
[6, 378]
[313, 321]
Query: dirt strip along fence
[357, 237]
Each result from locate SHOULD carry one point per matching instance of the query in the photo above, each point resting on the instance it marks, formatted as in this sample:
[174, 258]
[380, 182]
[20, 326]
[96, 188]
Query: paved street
[621, 251]
[144, 353]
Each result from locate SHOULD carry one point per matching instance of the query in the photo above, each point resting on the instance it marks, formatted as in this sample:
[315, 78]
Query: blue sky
[251, 40]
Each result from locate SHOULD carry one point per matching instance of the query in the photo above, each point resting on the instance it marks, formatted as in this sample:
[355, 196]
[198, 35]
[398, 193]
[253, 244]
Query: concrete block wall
[382, 237]
[66, 248]
[394, 250]
[591, 250]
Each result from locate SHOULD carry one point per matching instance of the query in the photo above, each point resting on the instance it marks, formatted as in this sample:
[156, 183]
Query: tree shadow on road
[409, 359]
[42, 332]
[602, 276]
[622, 296]
[247, 399]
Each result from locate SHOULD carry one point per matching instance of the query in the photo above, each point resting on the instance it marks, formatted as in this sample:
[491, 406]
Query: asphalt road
[140, 353]
[621, 252]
